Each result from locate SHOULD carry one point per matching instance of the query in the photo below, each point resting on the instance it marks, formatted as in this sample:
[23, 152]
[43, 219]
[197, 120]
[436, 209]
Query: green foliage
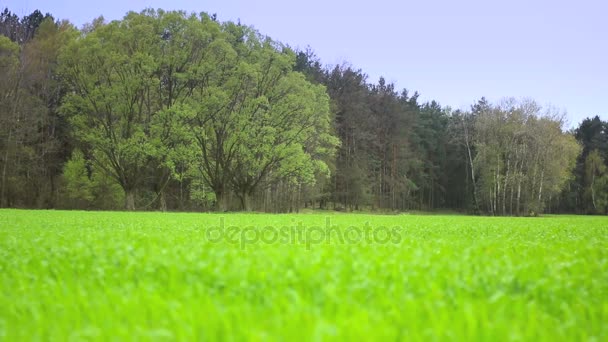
[597, 178]
[523, 157]
[9, 55]
[113, 74]
[31, 134]
[167, 103]
[201, 194]
[107, 192]
[76, 177]
[592, 135]
[252, 119]
[160, 92]
[85, 187]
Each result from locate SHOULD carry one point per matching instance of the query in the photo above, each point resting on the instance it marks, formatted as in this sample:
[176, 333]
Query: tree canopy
[168, 110]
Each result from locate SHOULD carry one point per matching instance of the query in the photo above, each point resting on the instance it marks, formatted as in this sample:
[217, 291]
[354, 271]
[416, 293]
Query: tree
[9, 110]
[524, 158]
[125, 77]
[592, 135]
[461, 190]
[349, 93]
[78, 185]
[87, 188]
[431, 130]
[286, 138]
[597, 179]
[254, 119]
[170, 110]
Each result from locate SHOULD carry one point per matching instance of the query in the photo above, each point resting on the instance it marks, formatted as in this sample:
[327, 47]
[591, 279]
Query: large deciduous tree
[111, 106]
[254, 119]
[161, 89]
[126, 76]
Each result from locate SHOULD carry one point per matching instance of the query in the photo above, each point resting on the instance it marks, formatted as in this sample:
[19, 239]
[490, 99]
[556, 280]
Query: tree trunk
[245, 199]
[504, 188]
[162, 201]
[15, 117]
[181, 194]
[511, 200]
[540, 192]
[221, 203]
[130, 200]
[518, 196]
[3, 201]
[497, 188]
[466, 140]
[593, 192]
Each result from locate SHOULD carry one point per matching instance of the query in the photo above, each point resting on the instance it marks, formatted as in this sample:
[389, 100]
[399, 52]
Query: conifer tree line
[177, 111]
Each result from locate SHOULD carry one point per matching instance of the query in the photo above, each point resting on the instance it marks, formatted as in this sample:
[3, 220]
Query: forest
[173, 111]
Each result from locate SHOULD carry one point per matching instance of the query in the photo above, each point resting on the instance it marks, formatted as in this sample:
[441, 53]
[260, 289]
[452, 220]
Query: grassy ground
[155, 276]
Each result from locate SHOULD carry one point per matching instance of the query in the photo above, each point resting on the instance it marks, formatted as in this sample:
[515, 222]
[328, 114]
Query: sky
[454, 52]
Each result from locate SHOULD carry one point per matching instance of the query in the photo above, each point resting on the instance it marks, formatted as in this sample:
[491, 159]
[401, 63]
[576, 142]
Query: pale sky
[455, 52]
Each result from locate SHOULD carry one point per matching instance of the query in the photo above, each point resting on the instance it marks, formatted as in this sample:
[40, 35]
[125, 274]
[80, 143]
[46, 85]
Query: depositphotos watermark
[299, 234]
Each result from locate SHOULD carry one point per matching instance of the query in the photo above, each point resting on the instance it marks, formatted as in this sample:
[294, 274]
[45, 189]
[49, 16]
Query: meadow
[99, 276]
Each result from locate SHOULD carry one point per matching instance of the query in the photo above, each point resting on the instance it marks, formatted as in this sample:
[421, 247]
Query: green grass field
[169, 276]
